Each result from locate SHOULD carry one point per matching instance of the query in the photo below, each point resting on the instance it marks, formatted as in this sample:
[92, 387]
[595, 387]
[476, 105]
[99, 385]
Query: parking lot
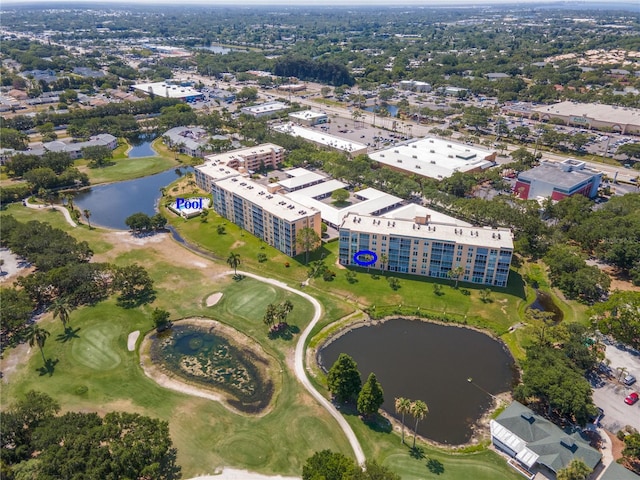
[609, 394]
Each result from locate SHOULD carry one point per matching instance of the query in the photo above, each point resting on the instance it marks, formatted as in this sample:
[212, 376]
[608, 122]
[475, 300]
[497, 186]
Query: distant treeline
[308, 69]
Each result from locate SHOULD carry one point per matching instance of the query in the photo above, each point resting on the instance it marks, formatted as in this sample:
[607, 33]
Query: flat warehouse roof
[595, 111]
[433, 157]
[167, 90]
[321, 138]
[553, 175]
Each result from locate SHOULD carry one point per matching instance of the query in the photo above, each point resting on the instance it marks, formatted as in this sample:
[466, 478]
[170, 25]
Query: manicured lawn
[94, 237]
[128, 168]
[95, 371]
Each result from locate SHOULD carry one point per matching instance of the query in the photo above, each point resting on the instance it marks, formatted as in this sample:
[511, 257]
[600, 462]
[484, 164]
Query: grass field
[129, 168]
[96, 372]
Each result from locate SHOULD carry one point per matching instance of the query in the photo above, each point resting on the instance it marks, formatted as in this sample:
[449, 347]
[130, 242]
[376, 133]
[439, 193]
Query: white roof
[300, 180]
[217, 170]
[433, 157]
[276, 204]
[475, 236]
[321, 138]
[515, 443]
[307, 115]
[322, 188]
[265, 108]
[167, 90]
[375, 200]
[595, 111]
[411, 211]
[241, 153]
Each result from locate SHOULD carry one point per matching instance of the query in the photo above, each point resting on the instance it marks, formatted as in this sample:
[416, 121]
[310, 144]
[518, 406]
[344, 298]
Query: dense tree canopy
[84, 445]
[343, 379]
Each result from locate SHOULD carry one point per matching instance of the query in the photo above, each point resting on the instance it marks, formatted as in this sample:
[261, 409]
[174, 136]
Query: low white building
[169, 90]
[323, 139]
[265, 109]
[435, 158]
[308, 118]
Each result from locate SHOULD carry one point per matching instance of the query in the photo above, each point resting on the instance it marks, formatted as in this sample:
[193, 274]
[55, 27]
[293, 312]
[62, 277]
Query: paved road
[299, 364]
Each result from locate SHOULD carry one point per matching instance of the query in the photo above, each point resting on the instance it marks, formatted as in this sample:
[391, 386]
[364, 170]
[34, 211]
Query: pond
[111, 204]
[430, 362]
[545, 303]
[201, 354]
[220, 49]
[392, 109]
[142, 148]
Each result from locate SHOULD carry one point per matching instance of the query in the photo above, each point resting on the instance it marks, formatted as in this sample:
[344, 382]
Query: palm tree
[285, 309]
[60, 308]
[403, 405]
[270, 314]
[384, 258]
[233, 260]
[38, 336]
[87, 214]
[418, 411]
[622, 371]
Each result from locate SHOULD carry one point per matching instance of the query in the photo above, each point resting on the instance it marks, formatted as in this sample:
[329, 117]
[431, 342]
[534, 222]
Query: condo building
[422, 247]
[270, 217]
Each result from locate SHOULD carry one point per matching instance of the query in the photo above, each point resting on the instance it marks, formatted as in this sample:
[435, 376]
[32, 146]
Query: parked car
[629, 380]
[632, 398]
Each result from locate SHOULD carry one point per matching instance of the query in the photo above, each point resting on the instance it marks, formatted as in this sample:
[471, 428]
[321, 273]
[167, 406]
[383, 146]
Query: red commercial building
[558, 180]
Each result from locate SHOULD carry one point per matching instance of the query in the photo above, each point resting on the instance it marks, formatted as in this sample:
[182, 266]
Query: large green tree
[328, 465]
[343, 379]
[84, 445]
[307, 240]
[619, 316]
[371, 396]
[98, 155]
[134, 284]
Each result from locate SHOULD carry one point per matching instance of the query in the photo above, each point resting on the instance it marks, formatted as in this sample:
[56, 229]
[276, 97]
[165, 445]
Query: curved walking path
[299, 364]
[60, 208]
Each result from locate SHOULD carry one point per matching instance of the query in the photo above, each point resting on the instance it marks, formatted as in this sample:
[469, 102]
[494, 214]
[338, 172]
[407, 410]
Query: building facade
[421, 247]
[558, 180]
[272, 218]
[235, 162]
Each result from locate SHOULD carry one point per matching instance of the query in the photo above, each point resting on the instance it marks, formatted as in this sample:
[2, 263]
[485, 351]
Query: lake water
[219, 49]
[143, 149]
[545, 303]
[199, 356]
[433, 363]
[111, 204]
[392, 109]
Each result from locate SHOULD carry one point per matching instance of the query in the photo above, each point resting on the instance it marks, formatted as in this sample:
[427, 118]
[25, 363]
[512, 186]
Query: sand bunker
[132, 339]
[237, 474]
[213, 299]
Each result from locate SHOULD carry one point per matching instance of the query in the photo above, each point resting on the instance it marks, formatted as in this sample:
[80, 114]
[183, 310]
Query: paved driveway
[609, 394]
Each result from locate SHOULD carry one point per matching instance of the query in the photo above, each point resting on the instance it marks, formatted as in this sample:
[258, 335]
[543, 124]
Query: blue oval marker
[362, 263]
